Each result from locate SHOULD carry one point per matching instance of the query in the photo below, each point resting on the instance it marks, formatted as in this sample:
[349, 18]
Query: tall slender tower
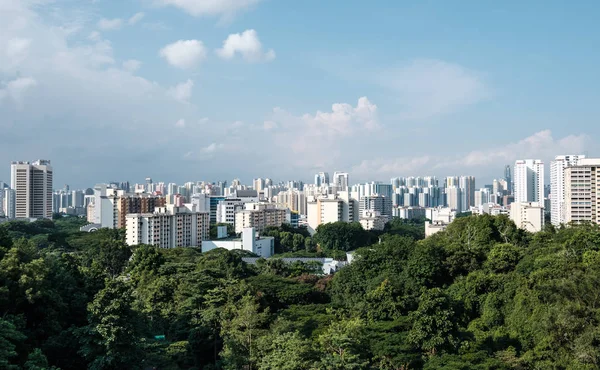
[32, 183]
[508, 178]
[529, 181]
[557, 186]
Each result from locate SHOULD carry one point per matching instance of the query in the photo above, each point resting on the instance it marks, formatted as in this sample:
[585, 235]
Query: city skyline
[250, 88]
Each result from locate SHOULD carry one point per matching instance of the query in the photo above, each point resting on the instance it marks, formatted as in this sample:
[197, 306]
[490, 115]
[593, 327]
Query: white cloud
[17, 89]
[485, 162]
[95, 36]
[110, 24]
[269, 125]
[426, 87]
[248, 45]
[225, 8]
[308, 135]
[184, 54]
[541, 145]
[135, 18]
[76, 95]
[182, 92]
[17, 47]
[131, 65]
[212, 148]
[180, 123]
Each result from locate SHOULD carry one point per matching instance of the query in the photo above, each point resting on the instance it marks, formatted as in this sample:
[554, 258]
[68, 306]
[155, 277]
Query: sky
[186, 90]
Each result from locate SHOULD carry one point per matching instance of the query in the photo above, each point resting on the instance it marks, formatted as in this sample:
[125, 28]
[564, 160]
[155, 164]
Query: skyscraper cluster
[160, 210]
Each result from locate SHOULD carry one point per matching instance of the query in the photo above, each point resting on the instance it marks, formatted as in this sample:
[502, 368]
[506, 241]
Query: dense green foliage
[480, 295]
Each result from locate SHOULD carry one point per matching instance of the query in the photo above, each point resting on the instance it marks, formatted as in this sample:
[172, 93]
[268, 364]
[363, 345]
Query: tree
[341, 345]
[342, 236]
[110, 341]
[9, 338]
[240, 329]
[434, 322]
[36, 361]
[284, 351]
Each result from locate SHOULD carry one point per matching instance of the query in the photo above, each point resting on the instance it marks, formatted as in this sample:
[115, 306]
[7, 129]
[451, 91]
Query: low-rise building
[434, 227]
[373, 220]
[527, 215]
[249, 241]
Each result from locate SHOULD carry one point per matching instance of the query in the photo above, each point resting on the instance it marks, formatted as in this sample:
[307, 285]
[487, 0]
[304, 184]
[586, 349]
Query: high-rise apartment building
[557, 186]
[32, 183]
[378, 203]
[529, 181]
[322, 178]
[340, 180]
[509, 179]
[8, 203]
[259, 216]
[467, 186]
[582, 191]
[168, 227]
[323, 210]
[258, 184]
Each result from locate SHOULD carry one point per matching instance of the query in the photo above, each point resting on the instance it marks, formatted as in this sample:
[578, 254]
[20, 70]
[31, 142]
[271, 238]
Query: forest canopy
[480, 295]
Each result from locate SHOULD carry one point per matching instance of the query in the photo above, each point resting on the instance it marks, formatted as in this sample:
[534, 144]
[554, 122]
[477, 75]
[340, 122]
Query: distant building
[249, 241]
[168, 227]
[582, 191]
[434, 227]
[32, 183]
[558, 212]
[373, 220]
[8, 203]
[326, 209]
[528, 215]
[259, 216]
[529, 181]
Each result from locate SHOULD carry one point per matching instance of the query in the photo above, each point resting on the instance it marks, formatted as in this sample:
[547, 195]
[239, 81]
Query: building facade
[557, 186]
[528, 215]
[582, 192]
[259, 216]
[32, 183]
[529, 181]
[168, 227]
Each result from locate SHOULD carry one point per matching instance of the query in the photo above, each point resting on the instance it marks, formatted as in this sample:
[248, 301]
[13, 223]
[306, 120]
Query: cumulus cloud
[226, 8]
[248, 45]
[17, 89]
[541, 145]
[184, 54]
[182, 92]
[135, 18]
[131, 65]
[17, 47]
[427, 87]
[212, 148]
[309, 135]
[180, 123]
[75, 95]
[110, 24]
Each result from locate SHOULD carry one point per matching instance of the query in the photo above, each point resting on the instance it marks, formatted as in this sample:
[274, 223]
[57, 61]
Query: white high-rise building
[258, 184]
[340, 180]
[557, 186]
[322, 178]
[168, 227]
[582, 191]
[32, 183]
[8, 203]
[529, 181]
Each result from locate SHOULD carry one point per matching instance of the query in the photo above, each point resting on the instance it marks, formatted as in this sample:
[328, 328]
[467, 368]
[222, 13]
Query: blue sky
[215, 89]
